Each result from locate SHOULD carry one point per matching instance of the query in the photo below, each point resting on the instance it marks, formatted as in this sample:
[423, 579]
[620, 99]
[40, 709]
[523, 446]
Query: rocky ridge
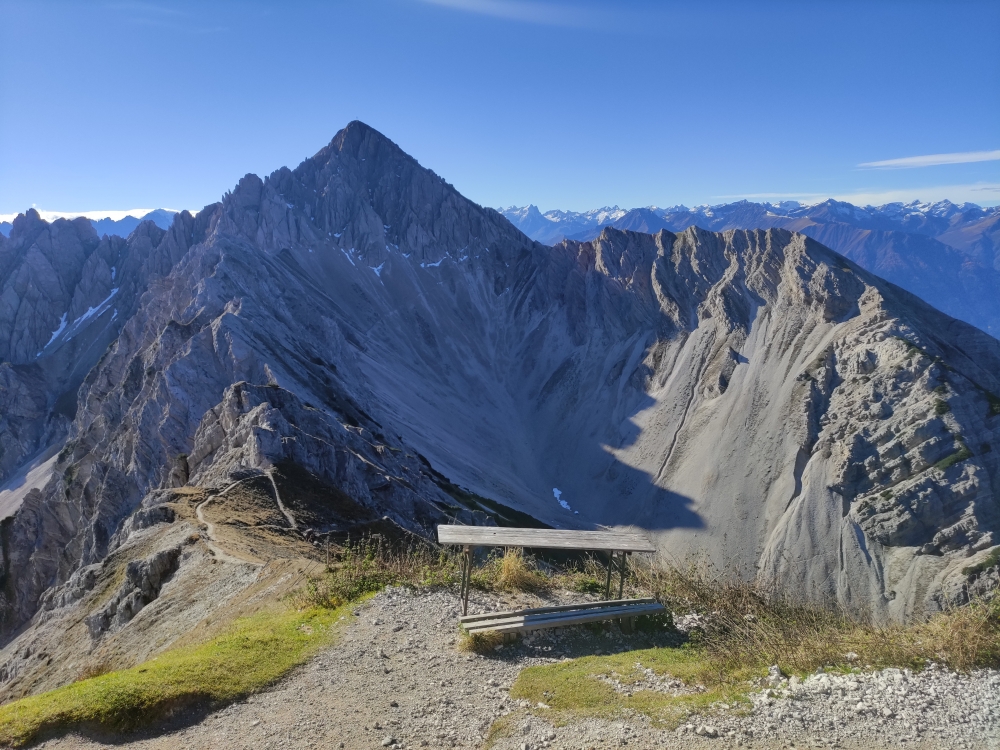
[66, 293]
[747, 396]
[944, 253]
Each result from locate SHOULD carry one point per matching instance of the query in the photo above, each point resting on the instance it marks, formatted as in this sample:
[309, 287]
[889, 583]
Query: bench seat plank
[495, 536]
[559, 618]
[562, 619]
[559, 608]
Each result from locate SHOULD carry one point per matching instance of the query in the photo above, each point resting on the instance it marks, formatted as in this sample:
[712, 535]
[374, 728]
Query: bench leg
[466, 576]
[627, 624]
[623, 563]
[611, 567]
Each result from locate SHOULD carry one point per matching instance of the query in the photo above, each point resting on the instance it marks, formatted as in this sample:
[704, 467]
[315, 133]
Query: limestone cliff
[747, 396]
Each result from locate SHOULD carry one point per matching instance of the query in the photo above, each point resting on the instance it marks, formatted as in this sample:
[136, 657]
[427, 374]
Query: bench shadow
[577, 641]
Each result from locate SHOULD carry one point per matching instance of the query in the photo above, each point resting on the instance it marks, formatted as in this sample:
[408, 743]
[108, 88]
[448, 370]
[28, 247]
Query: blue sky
[114, 105]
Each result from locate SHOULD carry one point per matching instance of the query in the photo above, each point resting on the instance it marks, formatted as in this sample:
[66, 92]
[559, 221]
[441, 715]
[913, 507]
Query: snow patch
[432, 265]
[92, 311]
[55, 333]
[75, 325]
[557, 494]
[347, 255]
[378, 269]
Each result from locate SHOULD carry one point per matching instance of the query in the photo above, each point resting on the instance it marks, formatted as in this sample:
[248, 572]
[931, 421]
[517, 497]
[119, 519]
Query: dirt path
[281, 506]
[211, 540]
[395, 678]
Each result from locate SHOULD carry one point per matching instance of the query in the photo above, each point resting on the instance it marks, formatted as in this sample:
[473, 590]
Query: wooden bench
[620, 543]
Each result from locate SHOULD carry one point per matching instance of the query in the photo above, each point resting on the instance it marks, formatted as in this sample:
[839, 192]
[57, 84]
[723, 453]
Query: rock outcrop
[946, 254]
[64, 296]
[748, 396]
[142, 584]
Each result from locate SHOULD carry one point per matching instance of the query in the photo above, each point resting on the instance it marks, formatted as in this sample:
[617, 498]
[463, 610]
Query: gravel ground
[395, 678]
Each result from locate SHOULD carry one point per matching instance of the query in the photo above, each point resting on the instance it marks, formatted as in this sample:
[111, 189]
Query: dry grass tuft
[479, 643]
[370, 565]
[515, 573]
[748, 624]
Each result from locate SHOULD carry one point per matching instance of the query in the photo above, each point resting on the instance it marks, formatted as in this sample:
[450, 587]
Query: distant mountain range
[162, 217]
[947, 254]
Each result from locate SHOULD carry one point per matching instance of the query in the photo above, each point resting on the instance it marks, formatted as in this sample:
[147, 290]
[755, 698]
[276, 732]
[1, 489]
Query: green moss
[574, 688]
[66, 452]
[994, 404]
[253, 653]
[585, 584]
[960, 455]
[911, 348]
[991, 561]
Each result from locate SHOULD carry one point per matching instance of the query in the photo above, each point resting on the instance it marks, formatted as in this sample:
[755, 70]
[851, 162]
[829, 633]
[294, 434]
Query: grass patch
[911, 348]
[574, 688]
[252, 654]
[747, 628]
[585, 584]
[370, 565]
[503, 727]
[991, 561]
[960, 455]
[994, 404]
[941, 407]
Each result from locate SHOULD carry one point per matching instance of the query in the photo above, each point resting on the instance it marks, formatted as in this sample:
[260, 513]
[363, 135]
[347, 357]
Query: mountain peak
[361, 141]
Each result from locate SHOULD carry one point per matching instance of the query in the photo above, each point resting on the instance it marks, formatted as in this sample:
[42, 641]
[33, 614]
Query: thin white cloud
[933, 160]
[546, 14]
[115, 215]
